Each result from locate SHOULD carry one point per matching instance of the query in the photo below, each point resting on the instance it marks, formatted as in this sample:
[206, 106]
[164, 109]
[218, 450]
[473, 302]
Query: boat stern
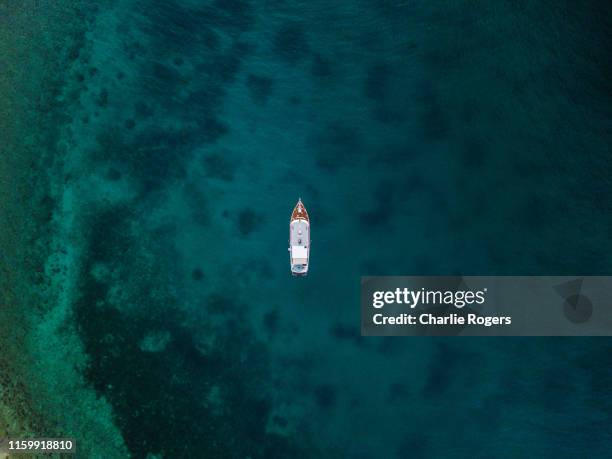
[299, 260]
[299, 270]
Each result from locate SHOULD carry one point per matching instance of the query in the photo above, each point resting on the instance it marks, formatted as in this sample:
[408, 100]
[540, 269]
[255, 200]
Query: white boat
[299, 240]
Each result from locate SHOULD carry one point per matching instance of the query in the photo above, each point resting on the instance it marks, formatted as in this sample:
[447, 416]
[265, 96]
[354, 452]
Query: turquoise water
[455, 138]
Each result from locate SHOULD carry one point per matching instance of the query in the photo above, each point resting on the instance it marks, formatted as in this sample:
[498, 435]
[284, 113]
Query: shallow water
[469, 138]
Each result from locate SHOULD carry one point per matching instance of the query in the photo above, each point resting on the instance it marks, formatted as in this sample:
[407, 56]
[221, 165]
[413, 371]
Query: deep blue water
[424, 138]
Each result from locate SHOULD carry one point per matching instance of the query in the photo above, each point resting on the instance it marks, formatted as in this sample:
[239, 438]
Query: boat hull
[299, 240]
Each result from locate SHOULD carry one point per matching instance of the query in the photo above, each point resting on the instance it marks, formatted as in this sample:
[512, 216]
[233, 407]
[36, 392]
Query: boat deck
[299, 233]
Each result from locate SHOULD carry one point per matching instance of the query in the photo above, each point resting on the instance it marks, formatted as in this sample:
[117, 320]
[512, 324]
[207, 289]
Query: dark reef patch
[388, 346]
[218, 303]
[377, 80]
[383, 211]
[473, 154]
[436, 125]
[153, 156]
[533, 213]
[321, 67]
[176, 28]
[395, 155]
[294, 100]
[143, 110]
[161, 81]
[325, 395]
[218, 167]
[489, 414]
[337, 145]
[271, 321]
[264, 269]
[165, 75]
[47, 207]
[192, 94]
[598, 376]
[290, 43]
[102, 98]
[446, 366]
[434, 119]
[397, 392]
[388, 97]
[211, 129]
[394, 11]
[203, 101]
[224, 67]
[414, 445]
[260, 87]
[440, 374]
[233, 14]
[110, 234]
[198, 203]
[372, 267]
[390, 113]
[248, 221]
[113, 174]
[345, 332]
[197, 274]
[154, 391]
